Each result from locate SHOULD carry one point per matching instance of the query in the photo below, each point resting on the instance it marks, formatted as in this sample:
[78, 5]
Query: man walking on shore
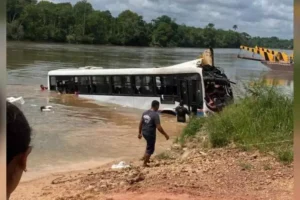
[150, 121]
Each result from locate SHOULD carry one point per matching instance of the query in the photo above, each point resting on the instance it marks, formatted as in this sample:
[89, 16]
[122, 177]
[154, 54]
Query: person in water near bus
[150, 121]
[43, 87]
[181, 112]
[18, 134]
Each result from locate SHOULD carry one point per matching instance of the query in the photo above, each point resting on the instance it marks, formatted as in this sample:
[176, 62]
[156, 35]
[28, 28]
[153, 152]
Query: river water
[82, 134]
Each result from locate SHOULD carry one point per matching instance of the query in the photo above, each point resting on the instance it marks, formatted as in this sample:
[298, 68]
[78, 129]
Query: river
[81, 134]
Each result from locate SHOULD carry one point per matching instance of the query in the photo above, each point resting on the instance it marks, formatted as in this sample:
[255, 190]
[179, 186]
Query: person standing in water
[18, 134]
[150, 121]
[181, 112]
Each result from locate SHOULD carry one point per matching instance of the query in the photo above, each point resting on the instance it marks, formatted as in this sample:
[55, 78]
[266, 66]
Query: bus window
[127, 86]
[100, 85]
[117, 84]
[63, 84]
[143, 85]
[84, 85]
[53, 83]
[175, 89]
[76, 84]
[168, 85]
[158, 85]
[147, 85]
[137, 84]
[70, 87]
[193, 77]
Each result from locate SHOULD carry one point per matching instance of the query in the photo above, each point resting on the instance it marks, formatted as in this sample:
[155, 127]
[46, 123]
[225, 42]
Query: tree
[131, 29]
[14, 8]
[62, 22]
[210, 26]
[81, 10]
[65, 19]
[15, 30]
[99, 26]
[164, 32]
[209, 34]
[235, 27]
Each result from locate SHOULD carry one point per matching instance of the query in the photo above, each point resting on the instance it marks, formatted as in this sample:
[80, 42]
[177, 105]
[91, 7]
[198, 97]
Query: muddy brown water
[80, 134]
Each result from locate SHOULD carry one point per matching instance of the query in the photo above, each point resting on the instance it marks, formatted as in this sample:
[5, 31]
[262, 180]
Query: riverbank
[127, 46]
[262, 120]
[252, 163]
[176, 174]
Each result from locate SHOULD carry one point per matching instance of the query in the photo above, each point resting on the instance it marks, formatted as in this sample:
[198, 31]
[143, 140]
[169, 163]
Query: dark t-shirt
[150, 119]
[181, 112]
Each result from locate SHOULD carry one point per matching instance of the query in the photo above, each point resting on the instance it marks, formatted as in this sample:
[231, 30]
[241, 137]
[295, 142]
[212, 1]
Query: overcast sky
[256, 17]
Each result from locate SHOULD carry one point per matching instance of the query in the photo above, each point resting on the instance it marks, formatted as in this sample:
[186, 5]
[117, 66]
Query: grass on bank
[262, 119]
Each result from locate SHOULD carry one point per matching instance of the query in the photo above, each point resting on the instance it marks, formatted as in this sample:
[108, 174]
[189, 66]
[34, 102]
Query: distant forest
[29, 20]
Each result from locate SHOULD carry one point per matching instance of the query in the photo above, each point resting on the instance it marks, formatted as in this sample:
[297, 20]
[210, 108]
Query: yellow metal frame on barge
[274, 60]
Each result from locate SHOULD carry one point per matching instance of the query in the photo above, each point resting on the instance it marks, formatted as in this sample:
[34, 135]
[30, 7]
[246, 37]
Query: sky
[264, 18]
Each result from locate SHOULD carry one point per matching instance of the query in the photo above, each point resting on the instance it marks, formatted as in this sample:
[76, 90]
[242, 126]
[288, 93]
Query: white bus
[138, 87]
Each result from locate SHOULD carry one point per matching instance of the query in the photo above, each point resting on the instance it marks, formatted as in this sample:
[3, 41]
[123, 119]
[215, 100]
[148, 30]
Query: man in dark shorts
[181, 112]
[149, 123]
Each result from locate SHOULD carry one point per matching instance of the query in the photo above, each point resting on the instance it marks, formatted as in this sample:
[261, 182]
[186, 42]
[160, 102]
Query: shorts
[150, 143]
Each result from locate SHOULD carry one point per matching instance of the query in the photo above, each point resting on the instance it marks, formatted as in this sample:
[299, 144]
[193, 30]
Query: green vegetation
[245, 166]
[267, 166]
[62, 22]
[164, 156]
[262, 120]
[190, 131]
[286, 156]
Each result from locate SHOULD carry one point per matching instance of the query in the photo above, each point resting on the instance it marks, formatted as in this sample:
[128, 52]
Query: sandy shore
[177, 174]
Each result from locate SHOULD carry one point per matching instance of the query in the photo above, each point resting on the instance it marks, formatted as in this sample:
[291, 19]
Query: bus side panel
[131, 101]
[48, 82]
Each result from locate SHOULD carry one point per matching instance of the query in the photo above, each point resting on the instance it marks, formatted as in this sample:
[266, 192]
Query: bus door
[195, 96]
[194, 90]
[184, 92]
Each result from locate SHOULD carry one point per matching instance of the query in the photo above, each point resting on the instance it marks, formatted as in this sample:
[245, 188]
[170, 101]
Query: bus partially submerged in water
[191, 82]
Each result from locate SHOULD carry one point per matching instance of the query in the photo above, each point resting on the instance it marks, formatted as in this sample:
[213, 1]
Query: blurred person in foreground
[2, 146]
[18, 134]
[150, 121]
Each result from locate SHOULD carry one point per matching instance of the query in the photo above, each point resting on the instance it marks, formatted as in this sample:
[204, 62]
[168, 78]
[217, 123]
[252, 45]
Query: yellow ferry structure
[272, 59]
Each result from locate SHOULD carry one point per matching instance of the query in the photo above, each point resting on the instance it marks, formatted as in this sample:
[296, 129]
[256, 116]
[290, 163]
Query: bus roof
[186, 67]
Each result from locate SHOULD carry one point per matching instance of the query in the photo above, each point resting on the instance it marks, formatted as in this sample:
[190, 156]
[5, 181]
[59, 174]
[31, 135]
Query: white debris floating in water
[46, 108]
[121, 165]
[19, 100]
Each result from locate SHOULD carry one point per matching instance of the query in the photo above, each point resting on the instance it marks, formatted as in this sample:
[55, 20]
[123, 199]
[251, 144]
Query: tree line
[62, 22]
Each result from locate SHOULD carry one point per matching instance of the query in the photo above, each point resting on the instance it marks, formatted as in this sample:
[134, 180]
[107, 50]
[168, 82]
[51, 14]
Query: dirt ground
[227, 174]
